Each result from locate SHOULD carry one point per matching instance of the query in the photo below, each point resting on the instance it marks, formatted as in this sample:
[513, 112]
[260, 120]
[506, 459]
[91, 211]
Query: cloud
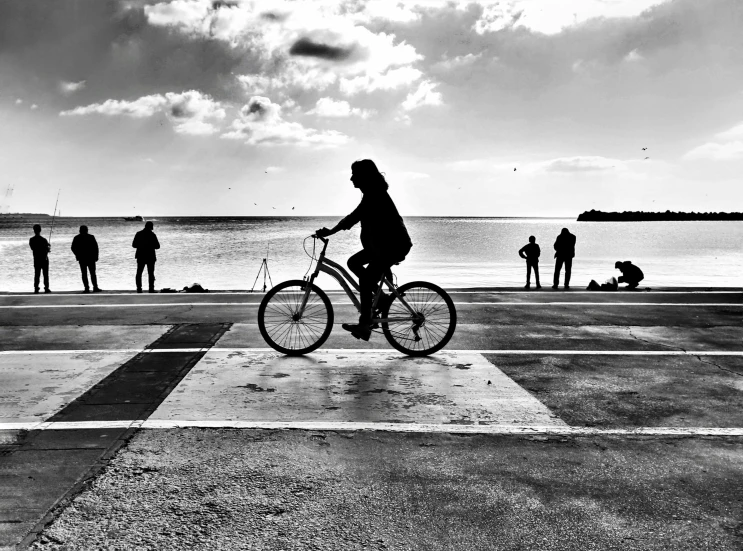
[634, 55]
[19, 101]
[584, 163]
[729, 146]
[34, 107]
[716, 151]
[260, 123]
[424, 95]
[275, 169]
[306, 47]
[193, 113]
[68, 88]
[328, 107]
[411, 175]
[290, 79]
[735, 132]
[390, 80]
[190, 112]
[143, 107]
[460, 61]
[550, 17]
[302, 45]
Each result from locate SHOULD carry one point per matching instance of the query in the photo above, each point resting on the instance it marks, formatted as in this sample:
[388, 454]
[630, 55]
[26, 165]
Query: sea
[221, 253]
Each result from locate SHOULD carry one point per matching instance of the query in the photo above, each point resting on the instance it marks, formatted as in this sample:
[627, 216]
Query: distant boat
[133, 218]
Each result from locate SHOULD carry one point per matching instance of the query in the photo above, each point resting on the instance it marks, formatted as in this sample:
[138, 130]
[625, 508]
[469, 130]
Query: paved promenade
[552, 420]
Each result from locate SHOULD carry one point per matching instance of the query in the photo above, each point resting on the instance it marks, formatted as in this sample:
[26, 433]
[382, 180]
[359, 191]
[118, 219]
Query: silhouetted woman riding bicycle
[384, 239]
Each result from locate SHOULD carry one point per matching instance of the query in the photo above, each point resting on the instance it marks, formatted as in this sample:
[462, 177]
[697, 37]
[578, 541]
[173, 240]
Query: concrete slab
[190, 336]
[131, 388]
[79, 337]
[171, 363]
[488, 336]
[381, 387]
[32, 481]
[100, 439]
[34, 387]
[634, 391]
[230, 489]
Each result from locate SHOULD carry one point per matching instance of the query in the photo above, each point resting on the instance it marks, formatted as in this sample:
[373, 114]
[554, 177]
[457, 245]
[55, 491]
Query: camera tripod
[266, 274]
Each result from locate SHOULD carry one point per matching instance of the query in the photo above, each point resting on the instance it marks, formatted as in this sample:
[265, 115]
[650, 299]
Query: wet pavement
[362, 449]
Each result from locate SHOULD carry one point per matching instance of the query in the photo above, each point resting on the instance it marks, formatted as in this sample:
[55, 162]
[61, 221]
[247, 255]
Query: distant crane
[5, 205]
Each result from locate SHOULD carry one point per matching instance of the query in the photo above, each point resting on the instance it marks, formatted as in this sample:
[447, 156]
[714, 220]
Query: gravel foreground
[293, 490]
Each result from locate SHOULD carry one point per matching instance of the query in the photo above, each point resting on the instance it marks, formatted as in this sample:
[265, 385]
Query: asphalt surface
[226, 489]
[601, 360]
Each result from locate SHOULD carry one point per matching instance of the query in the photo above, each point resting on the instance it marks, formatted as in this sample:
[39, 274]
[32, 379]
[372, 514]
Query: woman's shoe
[360, 331]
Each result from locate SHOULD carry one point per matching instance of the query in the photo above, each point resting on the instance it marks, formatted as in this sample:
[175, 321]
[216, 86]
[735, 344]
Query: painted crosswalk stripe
[377, 350]
[255, 304]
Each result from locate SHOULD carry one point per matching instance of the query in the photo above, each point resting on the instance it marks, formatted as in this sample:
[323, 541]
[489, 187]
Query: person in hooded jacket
[85, 248]
[631, 275]
[384, 238]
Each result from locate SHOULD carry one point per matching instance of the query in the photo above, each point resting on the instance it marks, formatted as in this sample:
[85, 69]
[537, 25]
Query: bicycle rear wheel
[429, 328]
[282, 327]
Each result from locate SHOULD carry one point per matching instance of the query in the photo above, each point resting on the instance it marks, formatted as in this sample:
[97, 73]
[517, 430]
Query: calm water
[226, 253]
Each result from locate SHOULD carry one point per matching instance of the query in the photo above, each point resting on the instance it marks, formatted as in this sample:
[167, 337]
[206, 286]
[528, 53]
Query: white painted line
[555, 430]
[102, 351]
[389, 350]
[255, 304]
[507, 352]
[21, 426]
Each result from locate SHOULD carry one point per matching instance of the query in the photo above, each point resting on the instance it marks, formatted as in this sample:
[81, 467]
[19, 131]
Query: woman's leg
[356, 262]
[368, 282]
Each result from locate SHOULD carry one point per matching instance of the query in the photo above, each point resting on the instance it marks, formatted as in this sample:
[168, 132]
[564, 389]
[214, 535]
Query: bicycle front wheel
[281, 324]
[428, 328]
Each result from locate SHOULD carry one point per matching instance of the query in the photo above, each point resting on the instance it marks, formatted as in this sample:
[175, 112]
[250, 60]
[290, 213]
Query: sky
[490, 108]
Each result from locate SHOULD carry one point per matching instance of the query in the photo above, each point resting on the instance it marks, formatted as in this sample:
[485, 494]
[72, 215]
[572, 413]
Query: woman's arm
[345, 224]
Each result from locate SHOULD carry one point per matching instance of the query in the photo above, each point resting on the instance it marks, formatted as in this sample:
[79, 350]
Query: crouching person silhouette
[631, 275]
[145, 241]
[384, 239]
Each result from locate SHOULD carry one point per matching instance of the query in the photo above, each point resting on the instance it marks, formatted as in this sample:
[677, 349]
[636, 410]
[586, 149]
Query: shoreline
[493, 290]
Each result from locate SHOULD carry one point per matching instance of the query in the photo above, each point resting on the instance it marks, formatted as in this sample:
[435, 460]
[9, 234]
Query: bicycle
[296, 317]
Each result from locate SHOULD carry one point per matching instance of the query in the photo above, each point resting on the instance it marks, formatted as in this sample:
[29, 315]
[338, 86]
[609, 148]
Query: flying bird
[644, 148]
[292, 208]
[514, 169]
[646, 158]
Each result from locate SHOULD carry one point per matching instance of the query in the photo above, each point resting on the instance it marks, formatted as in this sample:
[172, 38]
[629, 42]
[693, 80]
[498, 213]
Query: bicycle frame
[344, 278]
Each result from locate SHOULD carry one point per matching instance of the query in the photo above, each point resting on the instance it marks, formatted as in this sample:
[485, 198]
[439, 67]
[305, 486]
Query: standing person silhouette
[85, 248]
[531, 253]
[384, 239]
[41, 248]
[564, 254]
[145, 241]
